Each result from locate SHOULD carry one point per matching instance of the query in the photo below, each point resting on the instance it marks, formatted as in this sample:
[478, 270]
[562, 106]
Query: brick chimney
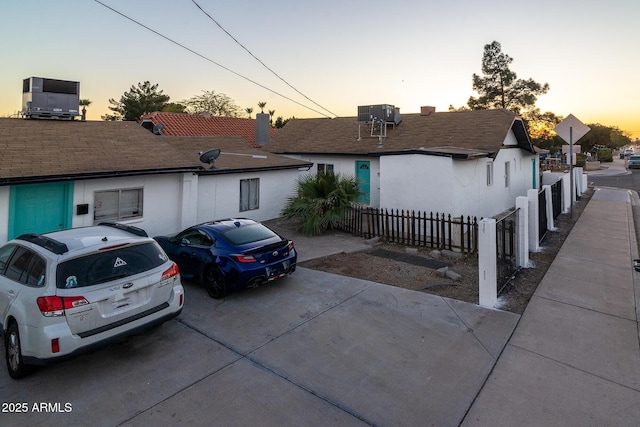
[426, 110]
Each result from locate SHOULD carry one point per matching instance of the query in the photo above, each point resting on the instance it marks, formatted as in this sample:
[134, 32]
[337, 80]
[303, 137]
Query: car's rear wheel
[13, 352]
[214, 283]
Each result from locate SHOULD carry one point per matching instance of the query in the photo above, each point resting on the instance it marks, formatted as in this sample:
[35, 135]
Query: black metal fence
[542, 215]
[506, 248]
[556, 198]
[438, 231]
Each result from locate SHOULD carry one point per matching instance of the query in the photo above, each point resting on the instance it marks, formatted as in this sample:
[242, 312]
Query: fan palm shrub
[321, 201]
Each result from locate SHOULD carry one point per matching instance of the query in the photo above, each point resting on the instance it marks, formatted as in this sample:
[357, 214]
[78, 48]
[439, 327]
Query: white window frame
[118, 205]
[325, 168]
[507, 174]
[249, 194]
[489, 174]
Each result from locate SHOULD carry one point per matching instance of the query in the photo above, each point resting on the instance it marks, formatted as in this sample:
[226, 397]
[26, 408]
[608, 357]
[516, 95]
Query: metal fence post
[487, 262]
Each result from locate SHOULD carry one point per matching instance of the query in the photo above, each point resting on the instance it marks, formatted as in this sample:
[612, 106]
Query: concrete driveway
[312, 349]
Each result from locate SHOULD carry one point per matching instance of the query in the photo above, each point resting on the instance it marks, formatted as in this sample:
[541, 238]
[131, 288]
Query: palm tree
[84, 103]
[271, 113]
[249, 110]
[262, 104]
[322, 201]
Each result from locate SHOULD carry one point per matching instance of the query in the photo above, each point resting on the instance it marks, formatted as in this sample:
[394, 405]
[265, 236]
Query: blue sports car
[230, 254]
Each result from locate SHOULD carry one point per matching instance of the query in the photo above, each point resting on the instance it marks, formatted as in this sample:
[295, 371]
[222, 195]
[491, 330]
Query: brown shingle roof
[180, 124]
[483, 130]
[47, 150]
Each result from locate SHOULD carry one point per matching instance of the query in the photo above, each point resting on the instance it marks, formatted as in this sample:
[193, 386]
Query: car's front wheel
[13, 352]
[214, 283]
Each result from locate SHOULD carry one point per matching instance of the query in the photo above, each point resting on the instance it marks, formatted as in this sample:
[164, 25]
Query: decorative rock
[452, 275]
[452, 254]
[411, 250]
[442, 271]
[435, 254]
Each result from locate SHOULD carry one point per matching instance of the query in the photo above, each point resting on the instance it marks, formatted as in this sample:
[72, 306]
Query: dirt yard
[395, 265]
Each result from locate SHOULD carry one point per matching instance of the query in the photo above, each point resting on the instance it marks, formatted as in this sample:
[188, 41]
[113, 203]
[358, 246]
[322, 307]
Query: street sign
[571, 129]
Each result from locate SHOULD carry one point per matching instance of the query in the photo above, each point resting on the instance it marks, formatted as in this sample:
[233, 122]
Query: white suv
[65, 292]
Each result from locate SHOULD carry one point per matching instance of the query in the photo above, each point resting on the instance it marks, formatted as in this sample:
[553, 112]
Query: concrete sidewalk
[574, 358]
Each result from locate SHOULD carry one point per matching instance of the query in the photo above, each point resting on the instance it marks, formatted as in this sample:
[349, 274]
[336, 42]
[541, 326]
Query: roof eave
[91, 175]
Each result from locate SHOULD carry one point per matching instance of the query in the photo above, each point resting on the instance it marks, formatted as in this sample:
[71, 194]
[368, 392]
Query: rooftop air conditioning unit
[50, 98]
[385, 113]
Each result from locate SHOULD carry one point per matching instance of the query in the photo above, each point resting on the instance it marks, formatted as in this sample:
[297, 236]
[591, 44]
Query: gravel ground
[417, 270]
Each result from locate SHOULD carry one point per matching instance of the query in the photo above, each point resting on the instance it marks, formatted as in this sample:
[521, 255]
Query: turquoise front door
[37, 208]
[363, 176]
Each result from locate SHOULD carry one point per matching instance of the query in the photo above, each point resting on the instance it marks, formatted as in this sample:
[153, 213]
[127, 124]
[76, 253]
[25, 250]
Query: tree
[540, 125]
[174, 107]
[603, 136]
[280, 122]
[500, 87]
[262, 104]
[84, 103]
[216, 104]
[271, 113]
[249, 110]
[140, 100]
[322, 201]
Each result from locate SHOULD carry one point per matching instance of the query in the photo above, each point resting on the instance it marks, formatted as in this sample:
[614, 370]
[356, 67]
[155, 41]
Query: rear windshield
[248, 234]
[634, 158]
[109, 265]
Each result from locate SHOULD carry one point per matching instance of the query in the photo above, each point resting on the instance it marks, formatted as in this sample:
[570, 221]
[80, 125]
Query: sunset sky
[337, 54]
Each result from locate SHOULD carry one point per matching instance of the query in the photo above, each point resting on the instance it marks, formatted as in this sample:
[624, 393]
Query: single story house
[460, 163]
[61, 174]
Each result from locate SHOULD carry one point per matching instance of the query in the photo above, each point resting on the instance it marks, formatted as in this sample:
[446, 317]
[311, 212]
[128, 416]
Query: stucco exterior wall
[161, 208]
[219, 195]
[346, 165]
[173, 202]
[456, 187]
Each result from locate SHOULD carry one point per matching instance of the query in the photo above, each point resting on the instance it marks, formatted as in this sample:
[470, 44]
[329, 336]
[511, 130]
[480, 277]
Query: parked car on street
[230, 254]
[65, 292]
[633, 162]
[628, 152]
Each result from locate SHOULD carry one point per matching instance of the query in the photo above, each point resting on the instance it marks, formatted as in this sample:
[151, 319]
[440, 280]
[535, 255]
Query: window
[507, 172]
[489, 174]
[106, 266]
[117, 205]
[5, 254]
[249, 194]
[193, 236]
[24, 266]
[325, 168]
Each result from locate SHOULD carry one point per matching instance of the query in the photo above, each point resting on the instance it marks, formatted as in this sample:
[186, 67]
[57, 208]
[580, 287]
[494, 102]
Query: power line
[209, 59]
[257, 59]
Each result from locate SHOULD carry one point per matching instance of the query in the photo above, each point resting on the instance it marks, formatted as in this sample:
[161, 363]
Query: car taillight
[171, 272]
[290, 247]
[54, 306]
[244, 258]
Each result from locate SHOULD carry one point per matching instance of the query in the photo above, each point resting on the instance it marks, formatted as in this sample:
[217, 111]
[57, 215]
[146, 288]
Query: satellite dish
[209, 157]
[157, 129]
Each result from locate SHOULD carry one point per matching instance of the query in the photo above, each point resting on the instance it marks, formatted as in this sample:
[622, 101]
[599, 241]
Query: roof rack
[128, 228]
[48, 243]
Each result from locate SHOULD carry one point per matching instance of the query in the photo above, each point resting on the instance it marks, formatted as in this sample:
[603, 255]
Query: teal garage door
[37, 208]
